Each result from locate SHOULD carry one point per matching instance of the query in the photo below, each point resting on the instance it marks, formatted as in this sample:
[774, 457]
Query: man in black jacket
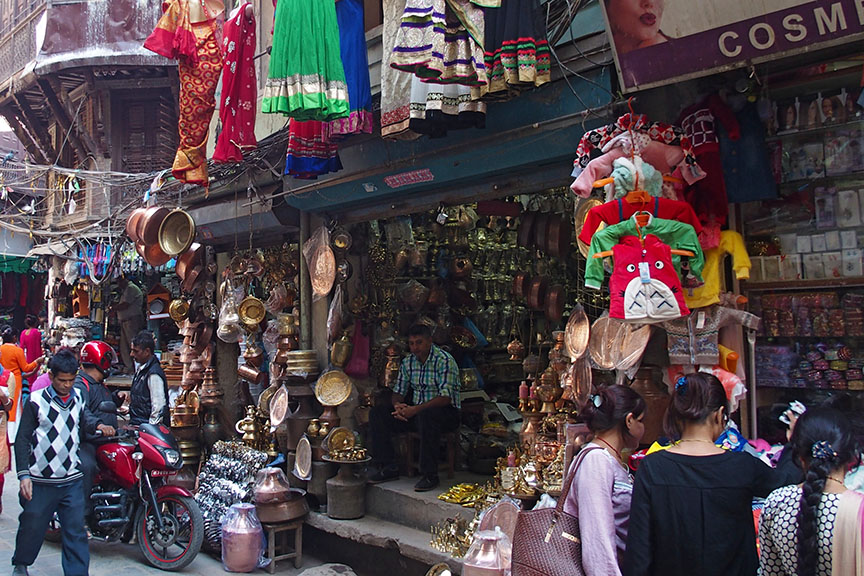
[149, 394]
[47, 449]
[96, 359]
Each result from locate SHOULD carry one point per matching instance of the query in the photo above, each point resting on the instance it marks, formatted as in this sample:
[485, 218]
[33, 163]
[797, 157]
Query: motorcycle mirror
[108, 407]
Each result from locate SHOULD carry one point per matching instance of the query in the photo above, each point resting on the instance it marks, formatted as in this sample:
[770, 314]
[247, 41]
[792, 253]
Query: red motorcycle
[130, 495]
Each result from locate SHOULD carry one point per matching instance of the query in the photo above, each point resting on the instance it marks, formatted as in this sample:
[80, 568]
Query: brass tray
[333, 388]
[339, 439]
[303, 459]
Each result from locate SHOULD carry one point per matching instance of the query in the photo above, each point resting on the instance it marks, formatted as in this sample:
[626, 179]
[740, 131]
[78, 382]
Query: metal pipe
[305, 288]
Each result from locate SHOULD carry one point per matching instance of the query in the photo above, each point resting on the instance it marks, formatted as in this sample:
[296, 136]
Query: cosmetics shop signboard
[658, 42]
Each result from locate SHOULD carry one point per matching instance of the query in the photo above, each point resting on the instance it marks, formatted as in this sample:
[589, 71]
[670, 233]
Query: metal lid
[303, 459]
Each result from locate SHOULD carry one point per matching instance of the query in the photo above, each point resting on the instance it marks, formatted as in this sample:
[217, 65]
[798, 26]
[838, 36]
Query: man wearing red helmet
[96, 358]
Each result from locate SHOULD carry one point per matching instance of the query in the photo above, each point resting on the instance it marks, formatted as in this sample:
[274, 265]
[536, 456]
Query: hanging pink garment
[239, 88]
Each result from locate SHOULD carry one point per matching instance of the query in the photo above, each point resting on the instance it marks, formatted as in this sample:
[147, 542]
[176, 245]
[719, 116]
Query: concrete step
[392, 548]
[396, 502]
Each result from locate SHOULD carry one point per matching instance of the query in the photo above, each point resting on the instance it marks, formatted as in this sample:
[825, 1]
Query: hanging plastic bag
[321, 263]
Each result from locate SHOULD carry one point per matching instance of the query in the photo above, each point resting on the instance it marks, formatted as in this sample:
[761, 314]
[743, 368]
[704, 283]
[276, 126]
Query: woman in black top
[691, 511]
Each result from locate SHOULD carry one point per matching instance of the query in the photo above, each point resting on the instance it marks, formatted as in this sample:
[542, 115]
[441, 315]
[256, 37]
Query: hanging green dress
[306, 80]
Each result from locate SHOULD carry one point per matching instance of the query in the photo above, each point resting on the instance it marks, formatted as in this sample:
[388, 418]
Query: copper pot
[132, 224]
[295, 507]
[188, 260]
[558, 236]
[437, 295]
[526, 229]
[254, 356]
[148, 226]
[188, 284]
[176, 232]
[540, 224]
[554, 305]
[537, 292]
[152, 254]
[202, 336]
[521, 285]
[250, 373]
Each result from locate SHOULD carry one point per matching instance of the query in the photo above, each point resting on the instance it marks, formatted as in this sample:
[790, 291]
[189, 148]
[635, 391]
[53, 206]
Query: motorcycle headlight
[172, 457]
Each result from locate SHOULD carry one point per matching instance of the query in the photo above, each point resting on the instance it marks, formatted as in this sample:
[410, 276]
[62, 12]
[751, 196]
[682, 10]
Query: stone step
[392, 548]
[396, 502]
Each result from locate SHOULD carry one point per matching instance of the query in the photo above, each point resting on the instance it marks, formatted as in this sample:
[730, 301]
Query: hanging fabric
[516, 53]
[395, 84]
[441, 41]
[311, 152]
[239, 88]
[306, 79]
[352, 46]
[195, 45]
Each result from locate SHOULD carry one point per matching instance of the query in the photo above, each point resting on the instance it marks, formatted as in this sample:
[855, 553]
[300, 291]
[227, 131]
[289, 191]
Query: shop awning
[16, 264]
[53, 248]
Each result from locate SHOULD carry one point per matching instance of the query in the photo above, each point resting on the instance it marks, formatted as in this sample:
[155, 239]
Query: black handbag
[547, 542]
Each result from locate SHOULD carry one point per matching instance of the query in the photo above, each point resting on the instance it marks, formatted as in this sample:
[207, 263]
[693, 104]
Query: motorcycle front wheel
[175, 545]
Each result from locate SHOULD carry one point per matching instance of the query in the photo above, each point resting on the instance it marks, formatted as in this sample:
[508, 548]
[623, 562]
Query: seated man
[431, 377]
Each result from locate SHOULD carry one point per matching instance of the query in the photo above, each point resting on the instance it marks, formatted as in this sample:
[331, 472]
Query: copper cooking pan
[188, 284]
[541, 221]
[554, 304]
[152, 254]
[132, 224]
[537, 292]
[188, 260]
[558, 236]
[148, 227]
[526, 230]
[201, 337]
[521, 285]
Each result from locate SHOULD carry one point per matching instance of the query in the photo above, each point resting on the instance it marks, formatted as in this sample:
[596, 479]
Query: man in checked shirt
[426, 399]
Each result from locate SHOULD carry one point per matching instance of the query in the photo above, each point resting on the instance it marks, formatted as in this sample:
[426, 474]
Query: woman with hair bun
[803, 525]
[602, 486]
[692, 503]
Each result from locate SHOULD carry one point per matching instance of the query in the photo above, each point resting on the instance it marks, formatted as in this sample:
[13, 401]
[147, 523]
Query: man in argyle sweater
[47, 459]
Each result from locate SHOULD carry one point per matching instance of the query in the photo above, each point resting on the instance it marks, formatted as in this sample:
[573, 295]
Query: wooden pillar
[65, 118]
[35, 127]
[16, 123]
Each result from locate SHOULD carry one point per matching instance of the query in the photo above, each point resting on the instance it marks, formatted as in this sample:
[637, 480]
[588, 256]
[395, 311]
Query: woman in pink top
[602, 488]
[31, 343]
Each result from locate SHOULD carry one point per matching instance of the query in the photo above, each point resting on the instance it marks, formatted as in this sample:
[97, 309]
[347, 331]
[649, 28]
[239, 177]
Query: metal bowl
[176, 232]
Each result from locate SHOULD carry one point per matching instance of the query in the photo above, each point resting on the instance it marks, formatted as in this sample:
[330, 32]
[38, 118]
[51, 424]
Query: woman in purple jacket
[601, 490]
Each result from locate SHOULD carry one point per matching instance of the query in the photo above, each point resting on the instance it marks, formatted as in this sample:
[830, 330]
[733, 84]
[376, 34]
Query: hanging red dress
[239, 88]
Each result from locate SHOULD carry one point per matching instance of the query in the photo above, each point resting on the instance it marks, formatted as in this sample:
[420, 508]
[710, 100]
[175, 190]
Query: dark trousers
[87, 465]
[68, 502]
[429, 423]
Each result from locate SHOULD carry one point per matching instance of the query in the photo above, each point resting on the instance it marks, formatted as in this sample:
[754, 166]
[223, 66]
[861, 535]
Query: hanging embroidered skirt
[437, 108]
[310, 150]
[306, 80]
[516, 51]
[395, 84]
[197, 103]
[352, 44]
[441, 41]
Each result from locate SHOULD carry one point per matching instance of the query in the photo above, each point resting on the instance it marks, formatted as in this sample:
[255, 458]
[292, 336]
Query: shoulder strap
[656, 205]
[620, 210]
[568, 482]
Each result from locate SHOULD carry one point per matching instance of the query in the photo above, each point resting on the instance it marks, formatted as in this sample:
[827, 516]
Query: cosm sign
[660, 41]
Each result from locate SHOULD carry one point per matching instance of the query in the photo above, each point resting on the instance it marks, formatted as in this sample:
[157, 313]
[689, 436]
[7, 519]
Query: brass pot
[252, 311]
[340, 352]
[178, 310]
[176, 232]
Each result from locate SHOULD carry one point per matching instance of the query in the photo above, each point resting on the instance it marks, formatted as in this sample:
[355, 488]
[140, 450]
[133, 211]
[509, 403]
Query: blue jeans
[68, 501]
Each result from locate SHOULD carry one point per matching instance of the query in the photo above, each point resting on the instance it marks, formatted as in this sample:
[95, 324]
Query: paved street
[105, 559]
